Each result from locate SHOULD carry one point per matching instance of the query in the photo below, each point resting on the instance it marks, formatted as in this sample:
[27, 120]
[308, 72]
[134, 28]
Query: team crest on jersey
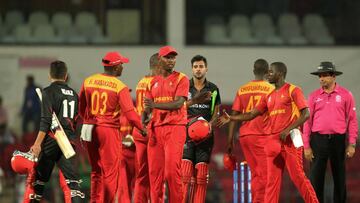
[156, 85]
[269, 100]
[338, 98]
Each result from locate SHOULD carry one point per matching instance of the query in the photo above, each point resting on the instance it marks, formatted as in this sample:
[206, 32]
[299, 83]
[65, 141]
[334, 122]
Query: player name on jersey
[252, 88]
[163, 99]
[67, 92]
[103, 83]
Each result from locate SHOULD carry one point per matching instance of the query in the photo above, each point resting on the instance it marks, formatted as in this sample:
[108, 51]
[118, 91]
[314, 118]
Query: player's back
[101, 93]
[63, 101]
[141, 88]
[248, 97]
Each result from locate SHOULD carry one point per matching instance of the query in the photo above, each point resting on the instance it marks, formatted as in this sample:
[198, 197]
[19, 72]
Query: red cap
[114, 58]
[166, 50]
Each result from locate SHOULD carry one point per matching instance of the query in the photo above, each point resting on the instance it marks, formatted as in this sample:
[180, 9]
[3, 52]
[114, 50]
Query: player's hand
[350, 151]
[284, 134]
[201, 97]
[149, 103]
[308, 153]
[223, 119]
[35, 150]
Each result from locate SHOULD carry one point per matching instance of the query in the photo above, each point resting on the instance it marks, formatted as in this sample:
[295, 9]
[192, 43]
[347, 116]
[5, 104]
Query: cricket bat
[60, 135]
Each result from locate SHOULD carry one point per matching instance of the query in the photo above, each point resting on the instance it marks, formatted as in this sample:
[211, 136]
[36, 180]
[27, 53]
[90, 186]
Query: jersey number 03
[98, 102]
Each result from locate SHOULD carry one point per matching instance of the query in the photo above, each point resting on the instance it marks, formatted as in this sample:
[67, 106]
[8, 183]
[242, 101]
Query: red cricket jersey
[283, 106]
[100, 99]
[141, 88]
[247, 97]
[165, 90]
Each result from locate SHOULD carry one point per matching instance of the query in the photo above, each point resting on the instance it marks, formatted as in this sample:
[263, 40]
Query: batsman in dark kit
[204, 101]
[61, 100]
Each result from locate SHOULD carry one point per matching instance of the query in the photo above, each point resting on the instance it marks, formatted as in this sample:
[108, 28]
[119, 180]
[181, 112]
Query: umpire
[63, 101]
[204, 100]
[332, 120]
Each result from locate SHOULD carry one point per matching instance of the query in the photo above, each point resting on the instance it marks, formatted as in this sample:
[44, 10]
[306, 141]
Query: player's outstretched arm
[226, 118]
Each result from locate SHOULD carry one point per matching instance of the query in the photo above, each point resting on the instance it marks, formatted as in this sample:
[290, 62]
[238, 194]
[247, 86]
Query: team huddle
[164, 142]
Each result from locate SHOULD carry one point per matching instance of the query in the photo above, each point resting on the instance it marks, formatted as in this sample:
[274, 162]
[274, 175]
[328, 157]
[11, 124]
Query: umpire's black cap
[326, 67]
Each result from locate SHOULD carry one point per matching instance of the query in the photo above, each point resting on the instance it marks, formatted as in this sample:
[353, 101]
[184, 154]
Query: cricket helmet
[22, 162]
[198, 129]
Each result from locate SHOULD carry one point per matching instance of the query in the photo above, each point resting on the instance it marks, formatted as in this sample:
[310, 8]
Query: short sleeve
[218, 98]
[299, 98]
[46, 112]
[182, 89]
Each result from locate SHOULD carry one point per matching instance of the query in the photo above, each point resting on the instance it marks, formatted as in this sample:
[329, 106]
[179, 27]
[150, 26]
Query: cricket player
[63, 101]
[142, 184]
[102, 96]
[196, 157]
[253, 134]
[287, 110]
[166, 99]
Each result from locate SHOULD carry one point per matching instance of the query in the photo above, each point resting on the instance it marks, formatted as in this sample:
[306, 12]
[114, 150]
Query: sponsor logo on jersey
[200, 106]
[338, 98]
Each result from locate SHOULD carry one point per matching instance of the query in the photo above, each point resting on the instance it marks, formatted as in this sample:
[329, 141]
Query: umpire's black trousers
[328, 147]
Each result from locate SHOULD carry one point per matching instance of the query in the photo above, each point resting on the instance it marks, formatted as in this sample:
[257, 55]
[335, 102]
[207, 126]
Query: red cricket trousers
[165, 150]
[253, 149]
[104, 152]
[127, 174]
[280, 154]
[142, 184]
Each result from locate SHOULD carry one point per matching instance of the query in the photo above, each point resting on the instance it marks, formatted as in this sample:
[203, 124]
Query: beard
[199, 77]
